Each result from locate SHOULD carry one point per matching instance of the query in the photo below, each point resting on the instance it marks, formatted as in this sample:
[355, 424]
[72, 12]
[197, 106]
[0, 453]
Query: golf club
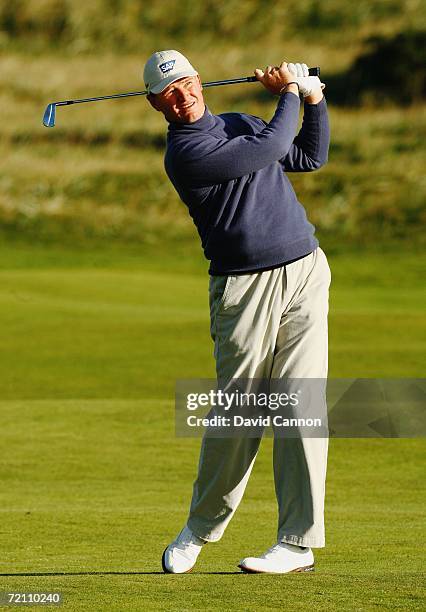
[50, 112]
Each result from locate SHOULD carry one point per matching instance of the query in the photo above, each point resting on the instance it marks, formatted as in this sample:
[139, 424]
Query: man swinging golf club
[269, 283]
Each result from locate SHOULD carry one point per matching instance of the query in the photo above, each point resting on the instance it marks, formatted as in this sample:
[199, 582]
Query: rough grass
[100, 171]
[123, 25]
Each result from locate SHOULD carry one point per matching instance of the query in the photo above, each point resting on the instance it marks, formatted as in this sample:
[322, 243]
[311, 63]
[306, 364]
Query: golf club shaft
[250, 79]
[49, 114]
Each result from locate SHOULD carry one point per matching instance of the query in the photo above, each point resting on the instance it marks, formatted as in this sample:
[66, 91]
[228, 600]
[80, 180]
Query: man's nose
[183, 95]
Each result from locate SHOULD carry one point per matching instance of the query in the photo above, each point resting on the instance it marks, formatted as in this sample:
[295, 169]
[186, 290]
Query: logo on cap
[167, 66]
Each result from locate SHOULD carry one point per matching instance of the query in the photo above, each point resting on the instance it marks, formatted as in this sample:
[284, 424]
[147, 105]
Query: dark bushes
[391, 69]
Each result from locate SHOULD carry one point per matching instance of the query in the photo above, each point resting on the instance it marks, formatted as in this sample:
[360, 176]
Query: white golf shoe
[180, 556]
[280, 559]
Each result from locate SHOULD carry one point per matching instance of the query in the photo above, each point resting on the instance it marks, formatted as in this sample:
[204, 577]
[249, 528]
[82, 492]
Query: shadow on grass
[109, 573]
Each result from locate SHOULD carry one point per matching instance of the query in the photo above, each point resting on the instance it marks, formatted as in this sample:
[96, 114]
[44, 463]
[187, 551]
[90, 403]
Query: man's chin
[191, 115]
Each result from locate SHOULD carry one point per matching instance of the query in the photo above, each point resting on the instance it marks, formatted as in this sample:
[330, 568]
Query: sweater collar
[206, 122]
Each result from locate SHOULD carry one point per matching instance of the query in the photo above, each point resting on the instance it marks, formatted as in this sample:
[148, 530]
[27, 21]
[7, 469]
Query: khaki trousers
[270, 324]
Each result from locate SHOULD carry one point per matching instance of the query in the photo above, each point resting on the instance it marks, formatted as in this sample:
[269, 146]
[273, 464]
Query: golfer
[269, 283]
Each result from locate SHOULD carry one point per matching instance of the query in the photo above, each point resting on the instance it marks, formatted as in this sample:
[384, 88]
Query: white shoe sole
[306, 568]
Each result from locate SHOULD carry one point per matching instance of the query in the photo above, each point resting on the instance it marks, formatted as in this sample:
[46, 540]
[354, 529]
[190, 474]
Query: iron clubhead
[49, 115]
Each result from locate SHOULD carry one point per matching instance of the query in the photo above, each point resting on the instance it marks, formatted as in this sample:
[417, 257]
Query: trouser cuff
[302, 541]
[207, 536]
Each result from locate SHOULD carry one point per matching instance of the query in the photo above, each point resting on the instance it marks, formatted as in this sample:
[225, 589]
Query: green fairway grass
[114, 325]
[95, 484]
[93, 490]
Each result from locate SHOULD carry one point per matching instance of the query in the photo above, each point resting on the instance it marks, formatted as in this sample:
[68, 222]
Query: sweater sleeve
[309, 150]
[211, 161]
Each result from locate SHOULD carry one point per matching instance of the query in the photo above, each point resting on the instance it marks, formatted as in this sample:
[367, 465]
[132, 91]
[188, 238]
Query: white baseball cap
[165, 67]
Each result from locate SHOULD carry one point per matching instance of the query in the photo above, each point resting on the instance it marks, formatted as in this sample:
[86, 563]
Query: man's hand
[275, 78]
[298, 70]
[310, 87]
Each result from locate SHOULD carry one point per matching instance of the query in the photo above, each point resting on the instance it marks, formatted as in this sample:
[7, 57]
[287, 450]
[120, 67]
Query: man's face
[181, 102]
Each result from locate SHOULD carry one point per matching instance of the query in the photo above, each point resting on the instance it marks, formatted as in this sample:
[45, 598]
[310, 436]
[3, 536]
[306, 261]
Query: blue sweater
[230, 169]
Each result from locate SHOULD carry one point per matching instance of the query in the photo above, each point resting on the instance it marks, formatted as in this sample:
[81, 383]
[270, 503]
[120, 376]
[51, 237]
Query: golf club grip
[312, 72]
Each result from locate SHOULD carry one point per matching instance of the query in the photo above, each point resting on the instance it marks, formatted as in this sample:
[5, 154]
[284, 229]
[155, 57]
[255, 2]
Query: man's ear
[199, 80]
[152, 100]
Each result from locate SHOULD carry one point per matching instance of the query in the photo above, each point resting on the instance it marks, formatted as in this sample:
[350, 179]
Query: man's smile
[185, 106]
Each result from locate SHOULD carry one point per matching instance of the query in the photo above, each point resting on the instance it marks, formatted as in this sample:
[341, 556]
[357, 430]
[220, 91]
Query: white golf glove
[307, 84]
[298, 70]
